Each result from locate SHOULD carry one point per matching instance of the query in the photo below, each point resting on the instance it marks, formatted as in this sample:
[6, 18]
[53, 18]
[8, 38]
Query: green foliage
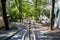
[46, 12]
[13, 10]
[28, 9]
[14, 26]
[33, 17]
[14, 13]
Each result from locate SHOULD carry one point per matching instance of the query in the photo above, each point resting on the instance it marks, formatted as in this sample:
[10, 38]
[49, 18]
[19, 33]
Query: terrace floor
[38, 31]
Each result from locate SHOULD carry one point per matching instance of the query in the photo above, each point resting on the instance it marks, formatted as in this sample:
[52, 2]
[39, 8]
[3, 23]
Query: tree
[3, 2]
[28, 9]
[24, 8]
[0, 4]
[40, 7]
[20, 10]
[13, 9]
[52, 14]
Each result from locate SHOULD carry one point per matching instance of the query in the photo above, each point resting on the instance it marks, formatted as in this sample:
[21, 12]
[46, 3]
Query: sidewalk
[4, 34]
[38, 28]
[8, 33]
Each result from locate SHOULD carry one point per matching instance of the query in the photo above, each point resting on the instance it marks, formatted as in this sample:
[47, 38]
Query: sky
[30, 0]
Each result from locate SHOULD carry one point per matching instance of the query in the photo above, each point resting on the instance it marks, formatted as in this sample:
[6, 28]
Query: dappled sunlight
[30, 19]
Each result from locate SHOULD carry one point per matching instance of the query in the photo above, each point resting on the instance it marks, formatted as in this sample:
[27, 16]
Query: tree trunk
[36, 9]
[20, 10]
[52, 14]
[3, 2]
